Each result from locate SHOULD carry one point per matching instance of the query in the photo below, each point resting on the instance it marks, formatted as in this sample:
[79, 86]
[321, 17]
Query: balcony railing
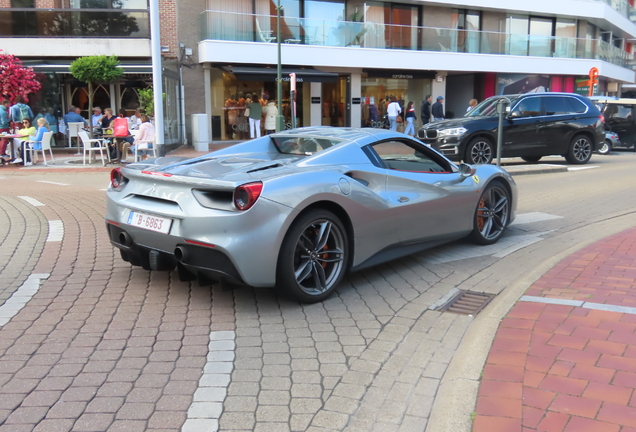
[622, 7]
[104, 23]
[228, 26]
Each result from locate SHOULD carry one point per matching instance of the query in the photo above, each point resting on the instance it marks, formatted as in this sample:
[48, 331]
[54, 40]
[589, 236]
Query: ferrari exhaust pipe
[181, 254]
[125, 239]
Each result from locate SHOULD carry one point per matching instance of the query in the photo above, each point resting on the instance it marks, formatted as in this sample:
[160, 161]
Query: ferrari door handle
[403, 199]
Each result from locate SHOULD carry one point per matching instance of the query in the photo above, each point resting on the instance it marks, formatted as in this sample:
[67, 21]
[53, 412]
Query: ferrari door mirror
[466, 171]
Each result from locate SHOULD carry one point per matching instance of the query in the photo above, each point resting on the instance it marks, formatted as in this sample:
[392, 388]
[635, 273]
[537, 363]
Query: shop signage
[286, 79]
[355, 101]
[315, 99]
[402, 76]
[399, 74]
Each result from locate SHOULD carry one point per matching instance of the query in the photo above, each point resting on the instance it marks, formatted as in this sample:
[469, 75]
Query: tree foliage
[16, 79]
[147, 101]
[95, 70]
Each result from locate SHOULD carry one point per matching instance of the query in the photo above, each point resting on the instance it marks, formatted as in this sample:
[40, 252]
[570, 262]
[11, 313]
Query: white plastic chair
[88, 146]
[144, 145]
[71, 130]
[46, 145]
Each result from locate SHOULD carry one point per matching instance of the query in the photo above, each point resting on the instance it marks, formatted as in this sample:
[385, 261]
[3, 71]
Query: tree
[16, 79]
[96, 70]
[147, 101]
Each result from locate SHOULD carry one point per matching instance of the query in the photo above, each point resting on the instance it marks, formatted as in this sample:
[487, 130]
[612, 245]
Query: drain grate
[466, 303]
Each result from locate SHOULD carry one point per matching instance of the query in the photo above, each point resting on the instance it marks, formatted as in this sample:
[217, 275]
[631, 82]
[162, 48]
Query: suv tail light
[601, 118]
[117, 179]
[246, 195]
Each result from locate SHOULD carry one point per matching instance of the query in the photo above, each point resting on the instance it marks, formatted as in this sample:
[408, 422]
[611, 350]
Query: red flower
[15, 79]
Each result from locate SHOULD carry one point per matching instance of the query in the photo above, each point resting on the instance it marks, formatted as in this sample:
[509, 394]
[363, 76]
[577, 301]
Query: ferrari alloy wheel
[479, 152]
[580, 150]
[492, 215]
[605, 148]
[313, 258]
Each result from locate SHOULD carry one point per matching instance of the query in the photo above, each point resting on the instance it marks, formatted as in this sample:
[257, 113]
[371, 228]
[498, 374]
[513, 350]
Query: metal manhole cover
[466, 303]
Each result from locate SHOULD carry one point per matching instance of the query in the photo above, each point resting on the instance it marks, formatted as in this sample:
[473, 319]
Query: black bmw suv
[537, 124]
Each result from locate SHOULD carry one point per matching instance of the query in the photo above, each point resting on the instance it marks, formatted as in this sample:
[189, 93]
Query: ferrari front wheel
[492, 215]
[313, 257]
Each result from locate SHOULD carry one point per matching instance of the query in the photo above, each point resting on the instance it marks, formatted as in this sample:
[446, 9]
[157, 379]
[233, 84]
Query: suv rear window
[618, 111]
[555, 105]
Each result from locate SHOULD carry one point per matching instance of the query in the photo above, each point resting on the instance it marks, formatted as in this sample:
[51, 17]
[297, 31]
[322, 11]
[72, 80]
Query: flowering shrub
[15, 79]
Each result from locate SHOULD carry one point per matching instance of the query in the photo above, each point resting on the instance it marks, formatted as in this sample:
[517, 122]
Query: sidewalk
[564, 357]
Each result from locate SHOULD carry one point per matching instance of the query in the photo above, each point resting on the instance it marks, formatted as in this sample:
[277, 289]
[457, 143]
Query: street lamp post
[155, 49]
[280, 120]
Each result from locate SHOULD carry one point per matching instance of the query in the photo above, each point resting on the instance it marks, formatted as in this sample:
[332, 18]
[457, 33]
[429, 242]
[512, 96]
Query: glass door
[540, 37]
[335, 110]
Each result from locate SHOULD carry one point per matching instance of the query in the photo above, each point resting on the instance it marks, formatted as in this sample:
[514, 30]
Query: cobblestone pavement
[563, 358]
[102, 346]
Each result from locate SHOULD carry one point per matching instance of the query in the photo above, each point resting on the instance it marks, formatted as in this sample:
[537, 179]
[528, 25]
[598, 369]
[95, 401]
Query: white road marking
[32, 201]
[207, 403]
[56, 231]
[103, 190]
[53, 183]
[525, 218]
[582, 168]
[21, 297]
[580, 303]
[504, 247]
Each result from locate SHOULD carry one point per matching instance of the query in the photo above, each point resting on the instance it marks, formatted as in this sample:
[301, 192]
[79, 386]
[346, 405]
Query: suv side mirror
[466, 171]
[514, 115]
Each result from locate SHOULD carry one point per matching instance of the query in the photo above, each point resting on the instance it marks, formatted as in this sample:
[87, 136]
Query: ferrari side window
[399, 156]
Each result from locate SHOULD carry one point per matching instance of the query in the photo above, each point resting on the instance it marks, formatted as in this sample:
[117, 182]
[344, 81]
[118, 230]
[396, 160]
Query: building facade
[49, 34]
[351, 55]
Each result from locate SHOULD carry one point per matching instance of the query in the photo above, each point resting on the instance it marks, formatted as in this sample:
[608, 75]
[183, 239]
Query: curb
[457, 394]
[534, 169]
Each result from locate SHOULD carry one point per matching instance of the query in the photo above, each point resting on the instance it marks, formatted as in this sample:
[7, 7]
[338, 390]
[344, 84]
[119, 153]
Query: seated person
[105, 122]
[146, 134]
[27, 130]
[43, 127]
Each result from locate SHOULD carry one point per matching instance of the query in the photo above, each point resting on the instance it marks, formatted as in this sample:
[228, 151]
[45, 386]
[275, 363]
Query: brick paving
[554, 367]
[103, 346]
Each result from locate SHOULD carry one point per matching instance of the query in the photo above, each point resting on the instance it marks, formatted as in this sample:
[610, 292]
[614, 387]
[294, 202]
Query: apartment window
[109, 4]
[22, 4]
[540, 37]
[468, 24]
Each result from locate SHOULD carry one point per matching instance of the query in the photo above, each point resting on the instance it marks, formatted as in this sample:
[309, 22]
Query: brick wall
[168, 19]
[46, 4]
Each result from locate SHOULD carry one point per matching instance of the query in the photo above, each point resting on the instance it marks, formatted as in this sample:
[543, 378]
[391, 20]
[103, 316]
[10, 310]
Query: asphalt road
[101, 346]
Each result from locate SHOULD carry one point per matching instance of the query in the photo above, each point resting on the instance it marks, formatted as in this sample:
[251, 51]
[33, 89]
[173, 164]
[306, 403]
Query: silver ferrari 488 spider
[298, 209]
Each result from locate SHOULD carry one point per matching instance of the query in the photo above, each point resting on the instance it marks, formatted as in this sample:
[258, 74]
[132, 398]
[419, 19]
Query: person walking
[410, 118]
[426, 110]
[20, 111]
[392, 111]
[255, 115]
[472, 104]
[438, 109]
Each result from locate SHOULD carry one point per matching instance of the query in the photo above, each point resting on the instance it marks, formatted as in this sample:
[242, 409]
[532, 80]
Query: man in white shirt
[135, 119]
[96, 118]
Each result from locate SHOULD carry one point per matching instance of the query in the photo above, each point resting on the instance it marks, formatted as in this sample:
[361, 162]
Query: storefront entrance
[377, 91]
[335, 111]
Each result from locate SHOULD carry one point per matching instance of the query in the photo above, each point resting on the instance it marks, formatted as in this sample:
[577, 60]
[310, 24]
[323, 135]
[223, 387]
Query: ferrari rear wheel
[313, 257]
[492, 215]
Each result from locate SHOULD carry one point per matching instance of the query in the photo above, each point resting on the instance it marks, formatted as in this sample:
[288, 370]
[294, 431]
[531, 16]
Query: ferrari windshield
[303, 145]
[488, 107]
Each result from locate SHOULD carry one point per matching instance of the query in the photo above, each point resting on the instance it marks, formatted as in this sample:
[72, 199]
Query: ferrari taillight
[117, 179]
[246, 195]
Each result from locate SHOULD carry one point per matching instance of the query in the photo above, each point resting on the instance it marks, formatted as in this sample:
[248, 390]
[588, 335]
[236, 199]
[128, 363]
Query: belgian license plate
[152, 223]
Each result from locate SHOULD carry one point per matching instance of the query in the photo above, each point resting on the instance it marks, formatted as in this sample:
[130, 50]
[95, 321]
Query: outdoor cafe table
[119, 140]
[11, 143]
